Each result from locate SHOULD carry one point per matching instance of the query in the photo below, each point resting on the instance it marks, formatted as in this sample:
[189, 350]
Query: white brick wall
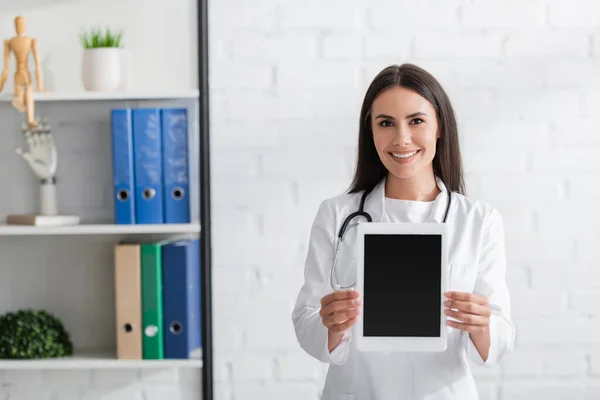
[524, 79]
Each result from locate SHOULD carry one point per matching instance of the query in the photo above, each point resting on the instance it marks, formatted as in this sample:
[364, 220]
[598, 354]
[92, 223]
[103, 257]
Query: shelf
[95, 361]
[98, 229]
[130, 95]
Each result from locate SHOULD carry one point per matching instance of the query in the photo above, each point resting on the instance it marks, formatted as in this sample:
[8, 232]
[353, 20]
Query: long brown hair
[447, 162]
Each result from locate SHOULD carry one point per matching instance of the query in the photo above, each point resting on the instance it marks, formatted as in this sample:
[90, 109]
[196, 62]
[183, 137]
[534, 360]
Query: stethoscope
[362, 213]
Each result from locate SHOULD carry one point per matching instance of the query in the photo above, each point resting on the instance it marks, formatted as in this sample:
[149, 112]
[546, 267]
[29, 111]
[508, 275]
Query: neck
[418, 188]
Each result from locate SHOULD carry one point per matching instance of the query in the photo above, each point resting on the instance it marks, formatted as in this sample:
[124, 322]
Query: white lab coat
[476, 264]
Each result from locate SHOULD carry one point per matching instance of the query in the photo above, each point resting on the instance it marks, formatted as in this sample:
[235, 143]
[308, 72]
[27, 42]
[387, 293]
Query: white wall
[287, 80]
[152, 30]
[287, 83]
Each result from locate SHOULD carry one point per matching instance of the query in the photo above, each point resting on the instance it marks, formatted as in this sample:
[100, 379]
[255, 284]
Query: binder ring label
[123, 194]
[177, 193]
[149, 193]
[151, 330]
[175, 327]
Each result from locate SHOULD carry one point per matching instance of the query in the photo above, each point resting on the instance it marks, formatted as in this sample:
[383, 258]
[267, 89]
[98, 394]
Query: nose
[402, 135]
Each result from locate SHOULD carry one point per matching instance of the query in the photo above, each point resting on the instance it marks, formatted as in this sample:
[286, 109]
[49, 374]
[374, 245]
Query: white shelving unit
[99, 229]
[95, 361]
[104, 232]
[87, 96]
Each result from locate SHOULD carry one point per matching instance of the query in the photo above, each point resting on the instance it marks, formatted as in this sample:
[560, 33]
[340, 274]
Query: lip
[404, 160]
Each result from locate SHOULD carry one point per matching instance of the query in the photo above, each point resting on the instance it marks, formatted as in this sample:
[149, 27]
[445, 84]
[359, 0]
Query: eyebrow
[415, 114]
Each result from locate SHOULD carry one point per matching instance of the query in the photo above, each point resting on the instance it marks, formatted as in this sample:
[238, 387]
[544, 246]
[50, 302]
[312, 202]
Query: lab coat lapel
[439, 204]
[375, 203]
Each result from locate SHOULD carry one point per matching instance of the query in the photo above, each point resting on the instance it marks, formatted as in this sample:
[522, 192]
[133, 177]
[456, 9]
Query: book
[42, 220]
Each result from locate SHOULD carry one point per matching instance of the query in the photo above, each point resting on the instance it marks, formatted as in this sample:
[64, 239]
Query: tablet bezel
[387, 343]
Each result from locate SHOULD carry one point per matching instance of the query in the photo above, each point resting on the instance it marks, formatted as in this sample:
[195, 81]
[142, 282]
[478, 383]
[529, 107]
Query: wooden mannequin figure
[21, 46]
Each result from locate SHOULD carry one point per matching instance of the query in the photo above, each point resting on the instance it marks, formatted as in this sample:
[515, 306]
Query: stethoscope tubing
[362, 213]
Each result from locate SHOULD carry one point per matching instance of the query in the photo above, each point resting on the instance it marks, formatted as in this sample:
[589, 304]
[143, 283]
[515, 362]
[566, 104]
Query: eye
[415, 120]
[386, 123]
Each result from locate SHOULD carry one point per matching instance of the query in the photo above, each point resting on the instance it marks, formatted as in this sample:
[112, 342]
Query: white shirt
[477, 263]
[407, 210]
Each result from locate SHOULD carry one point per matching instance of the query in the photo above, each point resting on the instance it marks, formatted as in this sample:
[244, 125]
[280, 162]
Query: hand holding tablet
[471, 310]
[339, 312]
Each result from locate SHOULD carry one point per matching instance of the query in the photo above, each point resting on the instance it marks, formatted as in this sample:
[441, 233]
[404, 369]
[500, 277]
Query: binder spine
[148, 165]
[123, 169]
[128, 301]
[152, 302]
[194, 300]
[181, 300]
[174, 300]
[174, 128]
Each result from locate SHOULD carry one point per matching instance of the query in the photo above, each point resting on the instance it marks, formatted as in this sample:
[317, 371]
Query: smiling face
[405, 132]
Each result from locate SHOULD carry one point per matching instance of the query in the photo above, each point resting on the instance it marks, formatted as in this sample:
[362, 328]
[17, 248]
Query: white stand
[48, 202]
[42, 159]
[48, 215]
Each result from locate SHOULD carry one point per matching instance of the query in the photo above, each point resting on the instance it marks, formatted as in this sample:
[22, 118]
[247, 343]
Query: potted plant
[106, 64]
[33, 334]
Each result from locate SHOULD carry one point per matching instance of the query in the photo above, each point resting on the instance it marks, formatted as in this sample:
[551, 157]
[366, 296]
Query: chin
[403, 173]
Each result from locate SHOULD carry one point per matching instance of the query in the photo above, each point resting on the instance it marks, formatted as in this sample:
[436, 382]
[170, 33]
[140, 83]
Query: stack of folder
[157, 300]
[150, 165]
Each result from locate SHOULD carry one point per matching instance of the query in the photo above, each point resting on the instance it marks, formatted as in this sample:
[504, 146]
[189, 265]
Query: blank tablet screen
[402, 285]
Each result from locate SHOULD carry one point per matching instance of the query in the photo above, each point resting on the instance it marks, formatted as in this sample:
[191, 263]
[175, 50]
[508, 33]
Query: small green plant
[97, 38]
[33, 334]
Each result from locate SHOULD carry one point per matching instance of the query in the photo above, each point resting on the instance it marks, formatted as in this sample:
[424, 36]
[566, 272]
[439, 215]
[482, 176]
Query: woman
[409, 159]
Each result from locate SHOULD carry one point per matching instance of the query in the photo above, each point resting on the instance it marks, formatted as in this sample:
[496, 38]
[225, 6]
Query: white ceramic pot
[102, 69]
[126, 70]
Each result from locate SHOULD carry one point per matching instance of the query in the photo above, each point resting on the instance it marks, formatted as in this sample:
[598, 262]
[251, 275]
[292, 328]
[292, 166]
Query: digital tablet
[401, 278]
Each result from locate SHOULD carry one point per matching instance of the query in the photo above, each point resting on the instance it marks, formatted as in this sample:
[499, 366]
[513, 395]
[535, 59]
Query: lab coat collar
[375, 203]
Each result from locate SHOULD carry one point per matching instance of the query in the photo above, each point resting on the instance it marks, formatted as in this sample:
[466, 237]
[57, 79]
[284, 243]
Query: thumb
[26, 156]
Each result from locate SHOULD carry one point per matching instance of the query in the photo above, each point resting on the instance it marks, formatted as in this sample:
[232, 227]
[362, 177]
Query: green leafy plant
[97, 38]
[33, 334]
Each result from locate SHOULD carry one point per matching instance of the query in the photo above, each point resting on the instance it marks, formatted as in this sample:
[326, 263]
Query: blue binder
[181, 299]
[123, 173]
[174, 122]
[148, 165]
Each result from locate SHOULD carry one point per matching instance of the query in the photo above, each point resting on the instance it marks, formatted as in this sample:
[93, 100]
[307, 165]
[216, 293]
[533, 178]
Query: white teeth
[405, 155]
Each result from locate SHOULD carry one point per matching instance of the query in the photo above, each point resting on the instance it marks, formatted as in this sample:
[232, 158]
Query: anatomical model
[21, 47]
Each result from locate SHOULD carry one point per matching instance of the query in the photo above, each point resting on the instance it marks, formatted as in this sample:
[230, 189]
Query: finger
[339, 328]
[29, 139]
[35, 139]
[468, 297]
[471, 308]
[467, 327]
[26, 156]
[339, 317]
[339, 295]
[338, 306]
[468, 318]
[341, 305]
